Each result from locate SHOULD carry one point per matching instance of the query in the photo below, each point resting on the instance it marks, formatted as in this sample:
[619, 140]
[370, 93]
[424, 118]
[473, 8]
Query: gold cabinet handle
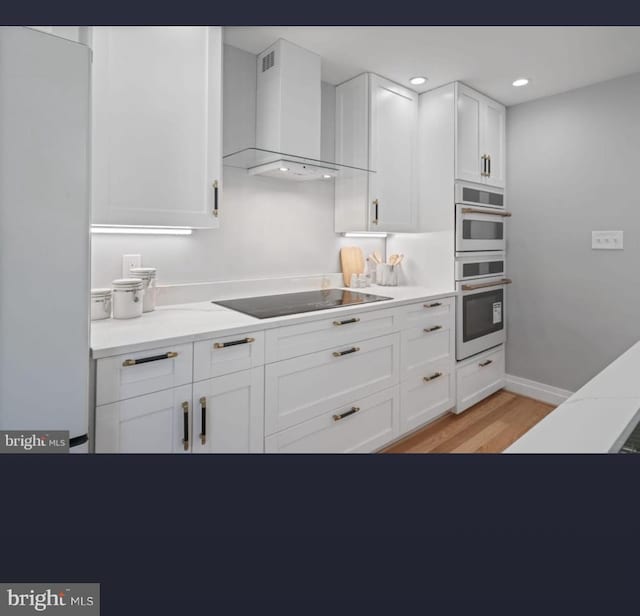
[203, 420]
[375, 216]
[185, 425]
[347, 352]
[351, 411]
[347, 321]
[224, 345]
[435, 328]
[484, 364]
[434, 305]
[488, 165]
[215, 198]
[434, 376]
[146, 360]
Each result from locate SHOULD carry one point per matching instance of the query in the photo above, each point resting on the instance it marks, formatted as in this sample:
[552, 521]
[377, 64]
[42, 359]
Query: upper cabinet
[157, 126]
[480, 138]
[376, 129]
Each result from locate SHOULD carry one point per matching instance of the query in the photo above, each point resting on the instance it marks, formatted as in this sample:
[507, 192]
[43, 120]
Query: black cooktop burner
[267, 306]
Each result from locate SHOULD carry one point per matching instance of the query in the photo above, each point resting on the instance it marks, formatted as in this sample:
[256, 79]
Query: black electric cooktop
[267, 306]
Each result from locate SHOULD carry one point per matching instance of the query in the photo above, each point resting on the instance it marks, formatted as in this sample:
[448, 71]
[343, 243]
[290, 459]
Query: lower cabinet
[425, 397]
[228, 413]
[155, 423]
[360, 427]
[479, 377]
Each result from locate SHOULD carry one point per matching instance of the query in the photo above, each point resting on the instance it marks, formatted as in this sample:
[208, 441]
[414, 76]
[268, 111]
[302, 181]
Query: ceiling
[488, 58]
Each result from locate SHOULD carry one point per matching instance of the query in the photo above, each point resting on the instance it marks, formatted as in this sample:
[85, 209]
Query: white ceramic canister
[128, 294]
[100, 304]
[148, 277]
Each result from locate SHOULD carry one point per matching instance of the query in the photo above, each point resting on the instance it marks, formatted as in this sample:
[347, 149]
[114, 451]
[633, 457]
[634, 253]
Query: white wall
[573, 162]
[269, 227]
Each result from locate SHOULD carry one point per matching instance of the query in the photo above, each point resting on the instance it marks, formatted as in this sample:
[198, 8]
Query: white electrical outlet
[129, 261]
[606, 240]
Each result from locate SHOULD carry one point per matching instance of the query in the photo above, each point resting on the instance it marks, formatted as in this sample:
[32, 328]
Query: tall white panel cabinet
[157, 125]
[376, 122]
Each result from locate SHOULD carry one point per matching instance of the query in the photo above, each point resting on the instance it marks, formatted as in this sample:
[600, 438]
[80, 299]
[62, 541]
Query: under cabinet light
[133, 230]
[365, 235]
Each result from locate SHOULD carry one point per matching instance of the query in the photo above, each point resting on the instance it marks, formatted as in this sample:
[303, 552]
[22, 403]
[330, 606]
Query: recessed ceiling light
[417, 81]
[284, 168]
[520, 82]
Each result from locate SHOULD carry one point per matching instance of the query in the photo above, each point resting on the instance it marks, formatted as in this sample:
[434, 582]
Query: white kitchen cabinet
[160, 422]
[229, 413]
[480, 138]
[157, 125]
[376, 128]
[479, 377]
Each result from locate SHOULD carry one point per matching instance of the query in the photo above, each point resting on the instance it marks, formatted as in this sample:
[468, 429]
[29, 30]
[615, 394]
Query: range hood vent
[288, 166]
[288, 119]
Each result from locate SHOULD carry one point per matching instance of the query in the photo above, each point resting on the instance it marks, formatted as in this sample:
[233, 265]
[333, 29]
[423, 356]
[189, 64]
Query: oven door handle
[486, 285]
[473, 210]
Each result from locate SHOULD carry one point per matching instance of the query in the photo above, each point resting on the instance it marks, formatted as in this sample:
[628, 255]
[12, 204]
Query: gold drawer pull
[347, 321]
[434, 305]
[484, 364]
[145, 360]
[437, 375]
[435, 328]
[347, 352]
[224, 345]
[351, 411]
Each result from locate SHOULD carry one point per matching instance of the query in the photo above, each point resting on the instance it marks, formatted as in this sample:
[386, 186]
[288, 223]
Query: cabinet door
[468, 139]
[229, 413]
[392, 155]
[493, 141]
[155, 423]
[156, 125]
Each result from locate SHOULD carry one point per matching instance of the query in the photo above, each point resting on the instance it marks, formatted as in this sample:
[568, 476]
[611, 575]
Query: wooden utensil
[378, 257]
[352, 261]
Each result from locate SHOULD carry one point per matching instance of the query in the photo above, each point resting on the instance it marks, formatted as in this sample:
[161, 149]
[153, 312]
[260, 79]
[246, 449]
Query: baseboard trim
[533, 389]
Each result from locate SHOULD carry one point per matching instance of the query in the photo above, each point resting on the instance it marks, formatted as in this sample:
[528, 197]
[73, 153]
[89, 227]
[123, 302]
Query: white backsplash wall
[268, 227]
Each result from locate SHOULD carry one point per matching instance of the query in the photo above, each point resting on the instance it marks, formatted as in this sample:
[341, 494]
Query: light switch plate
[606, 240]
[129, 261]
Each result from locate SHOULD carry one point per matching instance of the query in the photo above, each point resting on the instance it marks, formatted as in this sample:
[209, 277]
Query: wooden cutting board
[352, 261]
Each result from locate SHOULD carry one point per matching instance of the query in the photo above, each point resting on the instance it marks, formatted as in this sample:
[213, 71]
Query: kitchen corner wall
[573, 163]
[268, 227]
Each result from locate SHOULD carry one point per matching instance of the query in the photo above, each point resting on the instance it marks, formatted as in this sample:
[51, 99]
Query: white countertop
[182, 323]
[597, 418]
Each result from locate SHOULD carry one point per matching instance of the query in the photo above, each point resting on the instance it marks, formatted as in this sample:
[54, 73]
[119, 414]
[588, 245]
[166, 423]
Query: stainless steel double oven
[480, 269]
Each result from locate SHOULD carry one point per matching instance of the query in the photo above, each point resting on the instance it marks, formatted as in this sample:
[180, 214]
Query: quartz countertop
[183, 323]
[597, 418]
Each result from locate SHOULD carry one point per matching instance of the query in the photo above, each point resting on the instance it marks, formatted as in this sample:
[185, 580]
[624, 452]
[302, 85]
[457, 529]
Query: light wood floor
[487, 427]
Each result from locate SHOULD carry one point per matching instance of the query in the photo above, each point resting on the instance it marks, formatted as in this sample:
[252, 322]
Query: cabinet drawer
[228, 413]
[423, 400]
[421, 346]
[479, 377]
[136, 374]
[148, 424]
[426, 314]
[305, 387]
[285, 342]
[365, 425]
[227, 354]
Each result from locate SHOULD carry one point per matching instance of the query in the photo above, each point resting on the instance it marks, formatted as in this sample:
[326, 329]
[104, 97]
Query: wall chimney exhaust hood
[288, 119]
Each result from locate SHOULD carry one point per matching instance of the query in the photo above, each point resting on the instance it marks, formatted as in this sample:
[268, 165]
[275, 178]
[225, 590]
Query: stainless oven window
[482, 230]
[482, 314]
[482, 268]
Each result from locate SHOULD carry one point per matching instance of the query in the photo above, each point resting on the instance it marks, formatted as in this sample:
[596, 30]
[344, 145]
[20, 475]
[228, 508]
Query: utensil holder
[387, 275]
